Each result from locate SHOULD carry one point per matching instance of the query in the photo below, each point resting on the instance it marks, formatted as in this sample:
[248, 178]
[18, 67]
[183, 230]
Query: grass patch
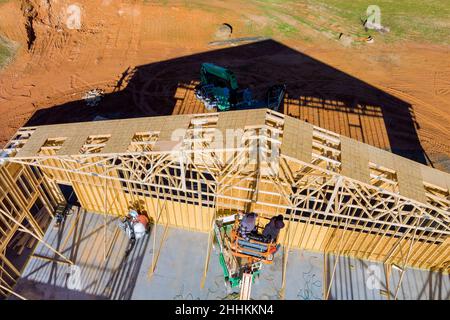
[286, 28]
[413, 20]
[416, 20]
[7, 50]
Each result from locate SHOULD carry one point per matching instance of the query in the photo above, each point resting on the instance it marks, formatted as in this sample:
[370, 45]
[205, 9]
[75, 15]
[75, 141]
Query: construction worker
[62, 212]
[135, 226]
[248, 224]
[272, 229]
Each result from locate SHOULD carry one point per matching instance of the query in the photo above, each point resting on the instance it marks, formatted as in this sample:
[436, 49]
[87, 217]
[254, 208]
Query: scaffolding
[337, 195]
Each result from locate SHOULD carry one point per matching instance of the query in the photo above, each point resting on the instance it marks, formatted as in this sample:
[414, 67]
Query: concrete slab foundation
[180, 264]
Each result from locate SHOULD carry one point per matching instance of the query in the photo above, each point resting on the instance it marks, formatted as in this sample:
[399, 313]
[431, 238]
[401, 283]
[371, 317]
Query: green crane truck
[219, 90]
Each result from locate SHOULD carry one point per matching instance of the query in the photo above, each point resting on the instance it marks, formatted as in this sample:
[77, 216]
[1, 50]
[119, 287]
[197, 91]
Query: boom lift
[242, 260]
[218, 89]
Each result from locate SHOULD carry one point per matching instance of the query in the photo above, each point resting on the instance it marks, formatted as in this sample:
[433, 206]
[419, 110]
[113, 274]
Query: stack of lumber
[22, 240]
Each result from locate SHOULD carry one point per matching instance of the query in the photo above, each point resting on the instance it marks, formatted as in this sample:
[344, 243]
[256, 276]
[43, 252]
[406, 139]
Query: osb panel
[297, 143]
[120, 130]
[409, 176]
[354, 159]
[297, 139]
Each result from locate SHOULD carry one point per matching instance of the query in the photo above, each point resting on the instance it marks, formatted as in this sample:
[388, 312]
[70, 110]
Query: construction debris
[22, 241]
[93, 97]
[100, 118]
[346, 40]
[369, 39]
[224, 31]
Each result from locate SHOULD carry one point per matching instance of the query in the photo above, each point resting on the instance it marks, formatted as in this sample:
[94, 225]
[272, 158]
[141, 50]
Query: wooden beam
[12, 292]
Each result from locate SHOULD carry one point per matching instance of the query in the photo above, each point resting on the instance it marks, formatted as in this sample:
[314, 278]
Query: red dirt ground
[142, 50]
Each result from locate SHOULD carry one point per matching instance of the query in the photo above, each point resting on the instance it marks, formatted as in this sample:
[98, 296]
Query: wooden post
[155, 254]
[208, 251]
[404, 266]
[378, 203]
[9, 264]
[104, 221]
[8, 180]
[325, 275]
[285, 259]
[387, 273]
[41, 240]
[12, 292]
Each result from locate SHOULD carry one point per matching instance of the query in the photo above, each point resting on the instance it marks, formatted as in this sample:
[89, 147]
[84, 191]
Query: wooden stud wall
[20, 188]
[325, 207]
[265, 199]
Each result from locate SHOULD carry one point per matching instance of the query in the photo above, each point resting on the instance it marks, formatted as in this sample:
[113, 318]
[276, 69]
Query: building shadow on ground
[316, 92]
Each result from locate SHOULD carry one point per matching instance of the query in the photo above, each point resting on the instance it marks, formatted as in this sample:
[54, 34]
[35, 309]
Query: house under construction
[338, 196]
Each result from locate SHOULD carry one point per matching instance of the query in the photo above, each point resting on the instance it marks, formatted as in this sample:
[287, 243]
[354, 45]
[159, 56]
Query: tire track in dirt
[136, 29]
[436, 115]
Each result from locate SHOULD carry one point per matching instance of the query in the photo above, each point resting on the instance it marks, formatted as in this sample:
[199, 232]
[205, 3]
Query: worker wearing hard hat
[135, 226]
[139, 224]
[248, 224]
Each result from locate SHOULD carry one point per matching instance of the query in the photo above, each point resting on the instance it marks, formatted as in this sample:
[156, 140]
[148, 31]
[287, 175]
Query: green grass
[6, 48]
[7, 51]
[286, 28]
[410, 20]
[272, 9]
[423, 21]
[413, 20]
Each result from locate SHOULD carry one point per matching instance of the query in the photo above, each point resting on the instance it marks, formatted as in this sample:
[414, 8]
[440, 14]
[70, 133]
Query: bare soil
[147, 56]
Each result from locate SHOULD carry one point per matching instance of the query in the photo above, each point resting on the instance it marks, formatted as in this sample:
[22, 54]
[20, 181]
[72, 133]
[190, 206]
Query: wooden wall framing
[21, 187]
[329, 204]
